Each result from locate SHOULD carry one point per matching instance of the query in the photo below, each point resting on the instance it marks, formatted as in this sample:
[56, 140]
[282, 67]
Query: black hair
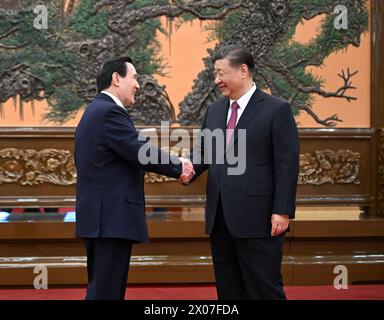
[104, 76]
[236, 55]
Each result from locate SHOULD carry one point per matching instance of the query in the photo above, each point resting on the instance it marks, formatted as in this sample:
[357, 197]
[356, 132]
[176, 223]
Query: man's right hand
[188, 171]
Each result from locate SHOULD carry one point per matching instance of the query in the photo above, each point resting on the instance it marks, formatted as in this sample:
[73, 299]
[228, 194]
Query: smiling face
[126, 87]
[232, 81]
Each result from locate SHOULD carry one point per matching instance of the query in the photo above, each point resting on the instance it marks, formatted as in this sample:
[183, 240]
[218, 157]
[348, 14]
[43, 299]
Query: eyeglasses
[220, 74]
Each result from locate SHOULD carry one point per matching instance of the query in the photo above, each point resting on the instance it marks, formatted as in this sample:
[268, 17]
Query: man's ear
[244, 69]
[115, 79]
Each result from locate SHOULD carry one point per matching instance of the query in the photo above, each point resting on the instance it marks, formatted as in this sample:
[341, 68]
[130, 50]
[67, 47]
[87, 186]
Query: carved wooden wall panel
[32, 167]
[380, 174]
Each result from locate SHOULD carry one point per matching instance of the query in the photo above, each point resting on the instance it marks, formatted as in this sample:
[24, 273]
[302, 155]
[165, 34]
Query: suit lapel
[253, 107]
[222, 112]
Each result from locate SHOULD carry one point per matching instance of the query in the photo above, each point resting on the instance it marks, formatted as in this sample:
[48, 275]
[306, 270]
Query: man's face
[128, 86]
[230, 80]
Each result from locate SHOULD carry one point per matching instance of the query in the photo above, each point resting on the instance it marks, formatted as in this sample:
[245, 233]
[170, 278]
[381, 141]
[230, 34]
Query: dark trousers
[246, 268]
[107, 265]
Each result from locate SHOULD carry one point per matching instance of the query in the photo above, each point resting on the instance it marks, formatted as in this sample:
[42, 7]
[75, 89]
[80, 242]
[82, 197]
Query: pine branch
[328, 122]
[9, 32]
[339, 93]
[193, 9]
[3, 46]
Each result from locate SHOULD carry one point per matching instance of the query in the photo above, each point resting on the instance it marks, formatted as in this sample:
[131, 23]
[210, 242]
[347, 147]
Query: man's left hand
[280, 223]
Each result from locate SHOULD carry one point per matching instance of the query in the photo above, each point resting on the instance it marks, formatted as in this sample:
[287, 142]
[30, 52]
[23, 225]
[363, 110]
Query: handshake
[188, 171]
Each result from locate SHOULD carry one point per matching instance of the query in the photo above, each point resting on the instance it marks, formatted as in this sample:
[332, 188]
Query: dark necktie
[232, 121]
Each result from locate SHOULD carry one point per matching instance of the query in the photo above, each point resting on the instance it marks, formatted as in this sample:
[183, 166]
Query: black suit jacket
[268, 184]
[110, 184]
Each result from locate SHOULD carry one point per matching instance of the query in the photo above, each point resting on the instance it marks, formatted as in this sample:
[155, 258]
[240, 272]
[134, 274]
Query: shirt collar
[244, 99]
[117, 100]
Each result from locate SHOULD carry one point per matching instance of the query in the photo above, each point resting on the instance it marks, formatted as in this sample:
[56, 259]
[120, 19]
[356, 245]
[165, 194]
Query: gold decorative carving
[151, 177]
[322, 166]
[328, 166]
[380, 172]
[32, 167]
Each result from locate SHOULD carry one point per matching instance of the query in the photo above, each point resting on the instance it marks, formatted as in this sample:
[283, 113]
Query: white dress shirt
[242, 102]
[117, 100]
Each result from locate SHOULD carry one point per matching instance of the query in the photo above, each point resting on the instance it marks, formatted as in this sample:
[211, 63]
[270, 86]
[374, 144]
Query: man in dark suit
[248, 212]
[110, 210]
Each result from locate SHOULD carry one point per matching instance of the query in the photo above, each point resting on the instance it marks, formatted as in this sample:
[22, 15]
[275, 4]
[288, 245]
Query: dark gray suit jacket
[110, 178]
[268, 184]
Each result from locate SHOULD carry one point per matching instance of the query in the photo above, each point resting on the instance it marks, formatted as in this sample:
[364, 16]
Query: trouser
[246, 268]
[107, 266]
